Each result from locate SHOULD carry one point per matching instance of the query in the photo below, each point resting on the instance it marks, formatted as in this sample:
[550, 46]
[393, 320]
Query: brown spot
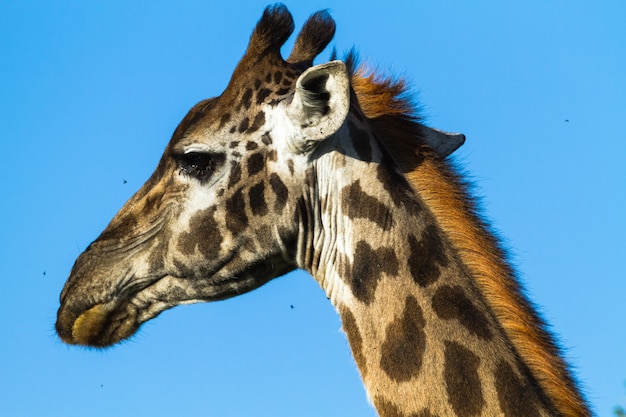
[278, 76]
[368, 267]
[465, 394]
[243, 126]
[257, 199]
[256, 163]
[235, 174]
[203, 235]
[280, 192]
[405, 343]
[357, 204]
[246, 99]
[234, 144]
[290, 166]
[250, 146]
[282, 91]
[266, 139]
[257, 123]
[386, 408]
[233, 129]
[225, 118]
[360, 141]
[427, 256]
[516, 398]
[451, 303]
[257, 84]
[354, 338]
[236, 219]
[268, 78]
[262, 94]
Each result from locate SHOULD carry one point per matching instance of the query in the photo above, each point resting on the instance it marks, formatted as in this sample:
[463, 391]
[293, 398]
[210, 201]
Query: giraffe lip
[88, 325]
[106, 322]
[103, 323]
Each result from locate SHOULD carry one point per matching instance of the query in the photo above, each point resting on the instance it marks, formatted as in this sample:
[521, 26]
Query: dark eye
[200, 165]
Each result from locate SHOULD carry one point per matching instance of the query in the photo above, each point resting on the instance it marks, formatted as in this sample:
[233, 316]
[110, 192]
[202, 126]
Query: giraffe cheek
[237, 220]
[203, 235]
[256, 195]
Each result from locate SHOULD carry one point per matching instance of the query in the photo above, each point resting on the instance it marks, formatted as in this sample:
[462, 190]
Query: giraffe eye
[200, 165]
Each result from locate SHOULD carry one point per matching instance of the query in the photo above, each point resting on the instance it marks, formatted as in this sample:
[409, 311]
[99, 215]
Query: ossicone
[275, 27]
[315, 35]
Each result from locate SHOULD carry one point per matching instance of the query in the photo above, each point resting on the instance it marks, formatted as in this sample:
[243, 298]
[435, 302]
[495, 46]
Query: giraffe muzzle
[99, 326]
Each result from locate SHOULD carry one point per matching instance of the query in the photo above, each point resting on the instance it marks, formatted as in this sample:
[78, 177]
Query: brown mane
[384, 101]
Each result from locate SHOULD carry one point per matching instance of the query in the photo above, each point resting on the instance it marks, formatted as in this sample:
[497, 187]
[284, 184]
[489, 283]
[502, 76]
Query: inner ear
[321, 102]
[315, 96]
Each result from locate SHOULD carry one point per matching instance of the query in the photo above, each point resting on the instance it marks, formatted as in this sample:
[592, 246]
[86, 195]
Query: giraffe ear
[444, 143]
[321, 103]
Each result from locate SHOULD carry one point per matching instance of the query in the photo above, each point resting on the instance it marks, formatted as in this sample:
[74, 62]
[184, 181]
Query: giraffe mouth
[99, 326]
[107, 323]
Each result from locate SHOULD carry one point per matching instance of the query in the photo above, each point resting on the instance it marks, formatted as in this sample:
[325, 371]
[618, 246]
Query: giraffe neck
[421, 333]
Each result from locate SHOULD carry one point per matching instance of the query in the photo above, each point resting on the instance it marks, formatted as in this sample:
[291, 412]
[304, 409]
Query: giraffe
[327, 168]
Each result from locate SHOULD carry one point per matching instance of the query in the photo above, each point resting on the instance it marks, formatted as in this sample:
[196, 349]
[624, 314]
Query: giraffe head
[220, 215]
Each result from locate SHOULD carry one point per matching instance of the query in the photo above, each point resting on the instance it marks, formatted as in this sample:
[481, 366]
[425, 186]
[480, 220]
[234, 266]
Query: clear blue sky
[90, 93]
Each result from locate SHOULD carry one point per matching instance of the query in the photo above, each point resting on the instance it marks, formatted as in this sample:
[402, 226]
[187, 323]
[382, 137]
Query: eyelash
[200, 165]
